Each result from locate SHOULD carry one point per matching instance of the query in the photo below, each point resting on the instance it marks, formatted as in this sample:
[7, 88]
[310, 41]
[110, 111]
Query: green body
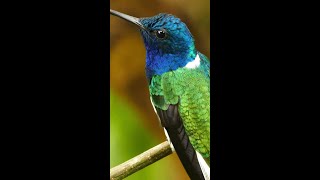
[190, 89]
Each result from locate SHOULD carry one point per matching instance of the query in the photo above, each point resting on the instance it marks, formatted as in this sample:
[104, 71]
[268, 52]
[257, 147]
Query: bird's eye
[161, 34]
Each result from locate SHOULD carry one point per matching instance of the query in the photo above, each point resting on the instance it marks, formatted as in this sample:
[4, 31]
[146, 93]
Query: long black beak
[126, 17]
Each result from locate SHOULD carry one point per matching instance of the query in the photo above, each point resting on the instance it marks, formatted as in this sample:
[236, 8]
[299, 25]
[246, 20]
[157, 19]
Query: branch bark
[141, 161]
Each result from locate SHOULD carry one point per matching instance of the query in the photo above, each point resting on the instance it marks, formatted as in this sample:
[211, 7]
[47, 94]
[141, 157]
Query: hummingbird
[179, 86]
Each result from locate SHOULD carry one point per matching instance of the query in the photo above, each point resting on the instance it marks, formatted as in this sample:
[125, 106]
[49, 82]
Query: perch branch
[141, 161]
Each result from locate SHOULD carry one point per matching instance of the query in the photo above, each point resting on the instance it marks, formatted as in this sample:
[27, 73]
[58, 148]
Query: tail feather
[204, 167]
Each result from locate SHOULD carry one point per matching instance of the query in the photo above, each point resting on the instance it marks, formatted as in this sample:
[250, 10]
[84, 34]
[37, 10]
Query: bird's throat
[158, 63]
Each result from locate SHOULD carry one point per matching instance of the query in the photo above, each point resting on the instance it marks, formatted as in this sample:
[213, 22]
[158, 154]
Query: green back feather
[190, 89]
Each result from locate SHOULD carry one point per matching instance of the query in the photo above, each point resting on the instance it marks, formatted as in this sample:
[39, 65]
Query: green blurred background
[134, 127]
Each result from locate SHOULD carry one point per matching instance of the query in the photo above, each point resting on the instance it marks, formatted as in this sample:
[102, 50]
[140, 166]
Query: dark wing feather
[171, 120]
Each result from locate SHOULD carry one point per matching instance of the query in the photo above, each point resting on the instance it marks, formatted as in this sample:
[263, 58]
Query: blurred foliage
[134, 125]
[130, 138]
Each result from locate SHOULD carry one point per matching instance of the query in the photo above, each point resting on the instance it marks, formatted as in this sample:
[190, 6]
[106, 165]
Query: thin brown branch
[141, 161]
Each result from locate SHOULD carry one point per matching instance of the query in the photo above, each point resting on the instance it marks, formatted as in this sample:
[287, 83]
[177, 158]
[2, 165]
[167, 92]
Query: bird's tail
[204, 166]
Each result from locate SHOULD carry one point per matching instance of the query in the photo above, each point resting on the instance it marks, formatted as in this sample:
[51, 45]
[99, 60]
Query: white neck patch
[194, 64]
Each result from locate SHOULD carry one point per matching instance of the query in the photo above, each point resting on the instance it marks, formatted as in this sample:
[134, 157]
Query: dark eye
[161, 34]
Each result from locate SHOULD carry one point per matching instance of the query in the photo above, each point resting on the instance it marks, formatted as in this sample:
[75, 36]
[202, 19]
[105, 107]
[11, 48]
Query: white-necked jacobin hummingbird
[179, 86]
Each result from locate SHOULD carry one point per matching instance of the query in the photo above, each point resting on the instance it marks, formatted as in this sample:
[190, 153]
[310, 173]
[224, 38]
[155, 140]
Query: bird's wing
[171, 121]
[167, 109]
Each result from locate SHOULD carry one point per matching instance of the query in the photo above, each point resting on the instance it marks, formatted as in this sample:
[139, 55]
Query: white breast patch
[193, 64]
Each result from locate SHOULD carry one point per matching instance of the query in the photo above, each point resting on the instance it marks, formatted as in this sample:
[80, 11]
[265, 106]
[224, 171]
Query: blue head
[168, 42]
